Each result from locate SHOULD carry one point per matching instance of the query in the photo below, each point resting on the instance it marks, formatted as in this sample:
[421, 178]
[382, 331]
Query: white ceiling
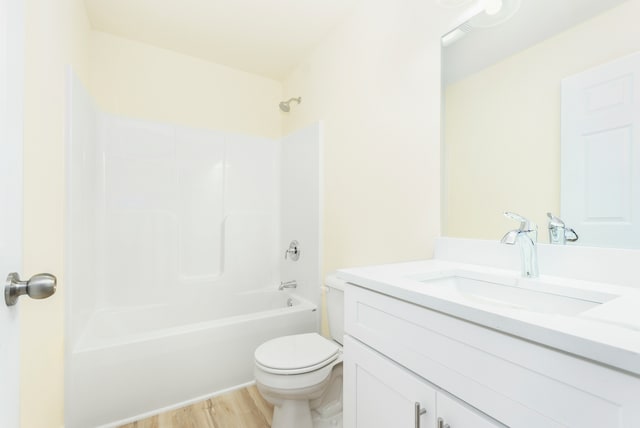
[266, 37]
[535, 21]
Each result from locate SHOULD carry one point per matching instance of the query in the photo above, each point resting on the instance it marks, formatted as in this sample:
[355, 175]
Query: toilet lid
[299, 353]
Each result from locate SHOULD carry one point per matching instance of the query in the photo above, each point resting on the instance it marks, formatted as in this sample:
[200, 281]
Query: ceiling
[258, 36]
[535, 21]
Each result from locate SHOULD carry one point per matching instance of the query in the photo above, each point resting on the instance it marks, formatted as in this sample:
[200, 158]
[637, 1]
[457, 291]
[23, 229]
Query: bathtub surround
[175, 252]
[300, 208]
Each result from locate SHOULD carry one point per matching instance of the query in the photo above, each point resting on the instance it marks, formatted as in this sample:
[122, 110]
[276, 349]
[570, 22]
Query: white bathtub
[131, 362]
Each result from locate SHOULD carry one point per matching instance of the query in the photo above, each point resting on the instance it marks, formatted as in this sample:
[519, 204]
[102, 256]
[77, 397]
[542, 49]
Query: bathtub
[134, 362]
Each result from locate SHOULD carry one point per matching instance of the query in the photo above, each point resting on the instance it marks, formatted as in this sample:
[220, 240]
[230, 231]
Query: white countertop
[609, 333]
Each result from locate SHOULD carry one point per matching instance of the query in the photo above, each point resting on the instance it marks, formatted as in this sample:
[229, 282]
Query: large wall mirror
[502, 110]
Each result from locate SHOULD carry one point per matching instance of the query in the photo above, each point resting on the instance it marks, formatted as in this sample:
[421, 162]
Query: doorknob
[40, 286]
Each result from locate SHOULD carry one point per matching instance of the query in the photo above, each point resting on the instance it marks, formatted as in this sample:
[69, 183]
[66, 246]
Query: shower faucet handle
[293, 251]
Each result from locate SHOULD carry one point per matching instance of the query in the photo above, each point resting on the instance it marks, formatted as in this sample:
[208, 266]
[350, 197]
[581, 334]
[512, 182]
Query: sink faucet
[288, 284]
[559, 233]
[527, 236]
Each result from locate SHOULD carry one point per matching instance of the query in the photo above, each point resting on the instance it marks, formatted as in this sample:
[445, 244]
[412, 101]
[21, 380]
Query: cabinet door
[456, 415]
[381, 394]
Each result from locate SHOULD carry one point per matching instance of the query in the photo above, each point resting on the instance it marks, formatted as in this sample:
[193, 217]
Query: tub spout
[288, 284]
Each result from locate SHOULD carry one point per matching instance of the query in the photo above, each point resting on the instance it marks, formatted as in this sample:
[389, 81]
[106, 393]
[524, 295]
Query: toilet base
[292, 413]
[295, 413]
[334, 421]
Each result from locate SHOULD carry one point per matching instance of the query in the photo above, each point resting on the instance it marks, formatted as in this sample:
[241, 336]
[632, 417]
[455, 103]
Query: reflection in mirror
[502, 110]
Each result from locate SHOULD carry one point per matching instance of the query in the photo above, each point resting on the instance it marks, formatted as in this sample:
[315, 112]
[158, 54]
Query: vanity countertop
[607, 332]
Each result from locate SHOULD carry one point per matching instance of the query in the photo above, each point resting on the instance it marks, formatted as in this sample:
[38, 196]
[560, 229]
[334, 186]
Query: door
[39, 286]
[378, 393]
[11, 197]
[600, 154]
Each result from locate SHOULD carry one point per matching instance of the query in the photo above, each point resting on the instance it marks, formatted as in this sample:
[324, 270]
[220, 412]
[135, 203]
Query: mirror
[502, 109]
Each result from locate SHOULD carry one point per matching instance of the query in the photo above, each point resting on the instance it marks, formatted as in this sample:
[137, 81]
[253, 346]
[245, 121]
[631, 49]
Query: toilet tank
[334, 293]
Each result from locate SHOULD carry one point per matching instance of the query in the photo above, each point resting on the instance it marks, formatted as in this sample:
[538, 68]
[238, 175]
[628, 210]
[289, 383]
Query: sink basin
[517, 293]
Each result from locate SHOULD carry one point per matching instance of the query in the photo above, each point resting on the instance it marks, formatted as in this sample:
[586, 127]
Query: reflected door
[600, 154]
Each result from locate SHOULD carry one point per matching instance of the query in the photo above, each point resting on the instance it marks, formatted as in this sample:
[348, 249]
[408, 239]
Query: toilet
[301, 375]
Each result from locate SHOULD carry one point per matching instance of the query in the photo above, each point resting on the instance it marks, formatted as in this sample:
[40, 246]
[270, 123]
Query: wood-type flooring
[243, 408]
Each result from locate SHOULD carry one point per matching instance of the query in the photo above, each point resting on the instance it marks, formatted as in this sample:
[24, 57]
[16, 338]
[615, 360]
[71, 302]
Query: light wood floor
[244, 408]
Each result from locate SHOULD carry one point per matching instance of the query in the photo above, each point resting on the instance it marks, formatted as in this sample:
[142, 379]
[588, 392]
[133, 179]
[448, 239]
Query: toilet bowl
[301, 375]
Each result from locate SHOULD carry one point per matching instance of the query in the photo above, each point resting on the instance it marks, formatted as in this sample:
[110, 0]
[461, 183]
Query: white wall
[503, 126]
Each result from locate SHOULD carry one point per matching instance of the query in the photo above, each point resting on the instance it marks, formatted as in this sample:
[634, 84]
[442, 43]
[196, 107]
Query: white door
[39, 286]
[11, 201]
[378, 393]
[600, 154]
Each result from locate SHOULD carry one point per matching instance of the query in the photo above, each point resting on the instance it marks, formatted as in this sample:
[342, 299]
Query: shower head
[284, 105]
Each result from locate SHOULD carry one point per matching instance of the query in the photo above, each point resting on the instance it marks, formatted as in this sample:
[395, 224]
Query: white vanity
[462, 340]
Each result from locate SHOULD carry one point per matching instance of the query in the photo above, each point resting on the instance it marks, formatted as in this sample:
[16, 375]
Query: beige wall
[502, 127]
[375, 81]
[140, 80]
[56, 34]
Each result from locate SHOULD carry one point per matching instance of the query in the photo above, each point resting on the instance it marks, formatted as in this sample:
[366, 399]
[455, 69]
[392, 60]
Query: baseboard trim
[175, 406]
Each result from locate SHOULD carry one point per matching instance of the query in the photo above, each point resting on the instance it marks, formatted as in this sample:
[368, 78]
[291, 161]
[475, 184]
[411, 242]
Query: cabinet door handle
[441, 424]
[419, 411]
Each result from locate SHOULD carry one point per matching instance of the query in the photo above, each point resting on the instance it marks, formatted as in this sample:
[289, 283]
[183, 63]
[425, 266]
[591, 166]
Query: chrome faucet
[559, 233]
[288, 284]
[527, 236]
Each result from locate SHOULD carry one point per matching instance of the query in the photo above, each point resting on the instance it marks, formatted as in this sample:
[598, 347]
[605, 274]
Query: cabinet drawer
[517, 382]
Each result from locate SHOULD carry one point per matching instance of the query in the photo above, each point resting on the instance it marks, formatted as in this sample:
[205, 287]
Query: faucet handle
[525, 224]
[559, 232]
[555, 221]
[571, 235]
[293, 251]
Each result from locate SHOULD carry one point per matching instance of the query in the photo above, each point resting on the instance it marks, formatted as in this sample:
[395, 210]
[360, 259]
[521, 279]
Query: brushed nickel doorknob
[39, 286]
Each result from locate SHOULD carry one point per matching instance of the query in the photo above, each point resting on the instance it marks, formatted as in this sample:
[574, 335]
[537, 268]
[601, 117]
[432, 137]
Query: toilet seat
[297, 354]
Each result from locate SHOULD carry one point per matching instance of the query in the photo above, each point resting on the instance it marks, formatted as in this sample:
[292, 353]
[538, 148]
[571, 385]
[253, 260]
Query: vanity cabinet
[383, 394]
[398, 354]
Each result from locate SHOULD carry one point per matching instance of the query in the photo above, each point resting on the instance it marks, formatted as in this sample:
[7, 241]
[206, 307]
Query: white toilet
[301, 375]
